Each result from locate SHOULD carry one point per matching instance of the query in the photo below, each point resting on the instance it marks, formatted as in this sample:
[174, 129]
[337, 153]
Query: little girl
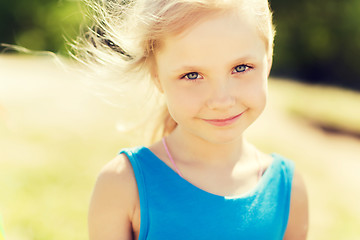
[209, 60]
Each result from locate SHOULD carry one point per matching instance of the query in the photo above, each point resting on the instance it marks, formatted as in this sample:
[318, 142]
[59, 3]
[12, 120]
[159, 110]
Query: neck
[189, 148]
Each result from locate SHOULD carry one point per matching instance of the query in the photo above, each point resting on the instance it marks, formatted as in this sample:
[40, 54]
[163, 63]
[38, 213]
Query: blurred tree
[39, 24]
[318, 41]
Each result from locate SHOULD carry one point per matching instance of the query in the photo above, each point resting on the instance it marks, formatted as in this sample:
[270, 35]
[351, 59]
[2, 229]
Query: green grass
[48, 169]
[47, 178]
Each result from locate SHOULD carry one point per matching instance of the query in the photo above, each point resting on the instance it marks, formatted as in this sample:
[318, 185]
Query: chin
[224, 138]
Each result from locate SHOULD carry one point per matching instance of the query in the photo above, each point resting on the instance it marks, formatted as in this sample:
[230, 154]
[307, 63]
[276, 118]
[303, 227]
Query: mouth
[225, 121]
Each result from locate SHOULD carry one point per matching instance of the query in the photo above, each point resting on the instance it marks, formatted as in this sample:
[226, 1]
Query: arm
[298, 219]
[113, 202]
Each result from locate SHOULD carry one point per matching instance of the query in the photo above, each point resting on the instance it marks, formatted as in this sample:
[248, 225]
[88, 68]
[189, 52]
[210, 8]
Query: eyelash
[247, 67]
[186, 76]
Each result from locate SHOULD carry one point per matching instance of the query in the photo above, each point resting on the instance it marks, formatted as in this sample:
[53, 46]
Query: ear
[154, 74]
[158, 83]
[269, 64]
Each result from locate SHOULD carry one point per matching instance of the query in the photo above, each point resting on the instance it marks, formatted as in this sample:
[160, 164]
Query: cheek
[260, 96]
[262, 99]
[182, 102]
[254, 92]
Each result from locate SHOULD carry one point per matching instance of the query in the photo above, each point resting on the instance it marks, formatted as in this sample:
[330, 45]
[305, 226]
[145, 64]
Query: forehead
[212, 40]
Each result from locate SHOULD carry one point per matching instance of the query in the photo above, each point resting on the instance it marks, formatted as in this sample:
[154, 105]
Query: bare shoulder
[118, 172]
[113, 201]
[298, 219]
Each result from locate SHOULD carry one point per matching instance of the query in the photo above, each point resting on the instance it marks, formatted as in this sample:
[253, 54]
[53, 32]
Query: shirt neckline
[251, 193]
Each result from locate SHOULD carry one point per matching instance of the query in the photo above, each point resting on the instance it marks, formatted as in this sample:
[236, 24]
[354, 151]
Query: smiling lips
[223, 122]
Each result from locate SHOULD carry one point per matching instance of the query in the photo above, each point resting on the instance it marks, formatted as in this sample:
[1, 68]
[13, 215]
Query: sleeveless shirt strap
[139, 176]
[288, 167]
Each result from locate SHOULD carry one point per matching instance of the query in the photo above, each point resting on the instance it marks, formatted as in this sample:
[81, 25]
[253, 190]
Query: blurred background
[56, 134]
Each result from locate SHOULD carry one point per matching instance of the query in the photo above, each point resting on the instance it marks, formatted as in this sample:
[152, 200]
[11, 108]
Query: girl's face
[214, 77]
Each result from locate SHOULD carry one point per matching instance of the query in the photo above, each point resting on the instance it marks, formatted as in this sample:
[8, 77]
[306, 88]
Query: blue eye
[192, 76]
[241, 68]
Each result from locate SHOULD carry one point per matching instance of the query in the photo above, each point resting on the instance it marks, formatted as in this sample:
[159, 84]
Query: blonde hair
[125, 35]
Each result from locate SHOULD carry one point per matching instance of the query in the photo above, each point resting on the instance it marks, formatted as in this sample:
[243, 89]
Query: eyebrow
[244, 59]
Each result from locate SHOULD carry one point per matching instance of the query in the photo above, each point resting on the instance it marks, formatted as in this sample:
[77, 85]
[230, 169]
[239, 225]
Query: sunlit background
[56, 134]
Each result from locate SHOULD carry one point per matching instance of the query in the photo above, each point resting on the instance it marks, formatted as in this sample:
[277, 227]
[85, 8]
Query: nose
[221, 96]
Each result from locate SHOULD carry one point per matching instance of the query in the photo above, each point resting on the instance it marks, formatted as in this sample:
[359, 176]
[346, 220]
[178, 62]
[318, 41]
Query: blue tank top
[172, 208]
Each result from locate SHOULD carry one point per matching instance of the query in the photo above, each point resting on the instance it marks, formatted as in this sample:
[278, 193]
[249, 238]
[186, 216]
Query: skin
[210, 71]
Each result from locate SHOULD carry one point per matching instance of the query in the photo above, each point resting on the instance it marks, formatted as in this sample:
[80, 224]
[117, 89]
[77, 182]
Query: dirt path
[330, 163]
